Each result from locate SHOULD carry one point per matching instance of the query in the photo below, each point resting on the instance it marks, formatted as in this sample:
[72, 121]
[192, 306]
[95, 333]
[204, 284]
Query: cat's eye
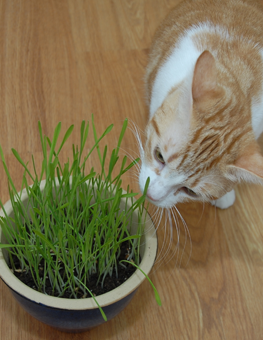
[158, 155]
[189, 192]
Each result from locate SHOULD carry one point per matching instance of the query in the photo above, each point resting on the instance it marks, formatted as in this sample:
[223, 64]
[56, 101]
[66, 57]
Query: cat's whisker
[130, 149]
[175, 213]
[131, 158]
[134, 173]
[203, 204]
[176, 226]
[176, 222]
[167, 256]
[176, 248]
[163, 251]
[170, 237]
[134, 177]
[187, 235]
[157, 223]
[156, 218]
[136, 127]
[136, 134]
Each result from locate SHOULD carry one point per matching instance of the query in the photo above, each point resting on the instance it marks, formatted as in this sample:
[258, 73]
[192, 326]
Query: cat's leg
[225, 201]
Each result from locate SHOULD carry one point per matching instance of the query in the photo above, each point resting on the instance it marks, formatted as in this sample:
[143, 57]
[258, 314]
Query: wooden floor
[64, 60]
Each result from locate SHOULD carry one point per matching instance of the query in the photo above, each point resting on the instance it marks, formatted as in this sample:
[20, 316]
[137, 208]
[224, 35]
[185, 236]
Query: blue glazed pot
[71, 320]
[77, 315]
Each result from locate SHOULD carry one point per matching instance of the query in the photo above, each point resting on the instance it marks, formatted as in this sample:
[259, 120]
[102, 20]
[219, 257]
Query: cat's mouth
[160, 201]
[173, 191]
[154, 200]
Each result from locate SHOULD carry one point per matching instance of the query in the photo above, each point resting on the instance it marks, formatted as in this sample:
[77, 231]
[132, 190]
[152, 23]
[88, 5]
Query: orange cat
[204, 85]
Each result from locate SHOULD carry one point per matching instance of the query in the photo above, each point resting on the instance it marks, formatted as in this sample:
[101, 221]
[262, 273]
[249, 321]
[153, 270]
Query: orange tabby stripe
[155, 126]
[173, 157]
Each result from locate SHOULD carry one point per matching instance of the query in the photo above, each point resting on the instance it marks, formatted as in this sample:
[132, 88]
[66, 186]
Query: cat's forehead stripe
[173, 157]
[148, 150]
[155, 126]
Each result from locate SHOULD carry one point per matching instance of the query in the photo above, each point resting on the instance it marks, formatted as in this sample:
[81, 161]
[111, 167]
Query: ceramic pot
[76, 315]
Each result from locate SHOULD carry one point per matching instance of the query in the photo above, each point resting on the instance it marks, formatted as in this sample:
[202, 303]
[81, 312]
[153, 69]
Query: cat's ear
[248, 166]
[204, 86]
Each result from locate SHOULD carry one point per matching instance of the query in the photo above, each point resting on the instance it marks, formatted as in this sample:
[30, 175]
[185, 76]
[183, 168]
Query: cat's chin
[163, 202]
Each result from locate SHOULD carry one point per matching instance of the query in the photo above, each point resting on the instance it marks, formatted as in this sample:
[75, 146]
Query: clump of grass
[76, 220]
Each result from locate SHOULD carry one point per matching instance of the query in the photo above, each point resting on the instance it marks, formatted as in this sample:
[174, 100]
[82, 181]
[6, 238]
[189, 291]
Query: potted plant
[71, 229]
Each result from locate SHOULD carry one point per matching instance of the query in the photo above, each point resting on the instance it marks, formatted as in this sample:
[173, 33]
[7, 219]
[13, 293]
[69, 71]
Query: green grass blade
[45, 240]
[3, 246]
[44, 150]
[7, 172]
[108, 129]
[16, 154]
[101, 310]
[67, 134]
[96, 138]
[54, 141]
[124, 127]
[156, 294]
[84, 131]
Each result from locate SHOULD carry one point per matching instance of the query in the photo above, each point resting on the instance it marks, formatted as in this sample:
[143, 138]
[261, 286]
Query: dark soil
[93, 285]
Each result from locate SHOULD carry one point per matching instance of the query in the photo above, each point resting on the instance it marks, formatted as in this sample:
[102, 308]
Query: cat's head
[200, 142]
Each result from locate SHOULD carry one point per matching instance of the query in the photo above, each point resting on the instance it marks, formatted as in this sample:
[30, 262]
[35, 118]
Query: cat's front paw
[225, 201]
